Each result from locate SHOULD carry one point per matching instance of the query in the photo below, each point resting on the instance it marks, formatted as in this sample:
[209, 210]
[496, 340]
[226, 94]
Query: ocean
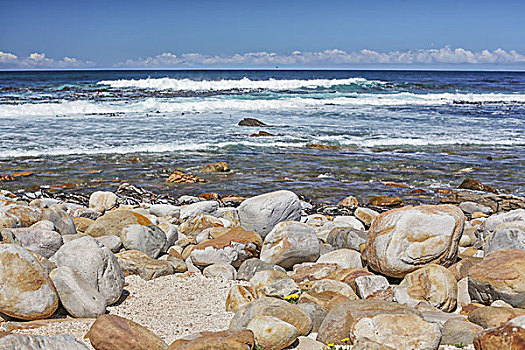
[335, 133]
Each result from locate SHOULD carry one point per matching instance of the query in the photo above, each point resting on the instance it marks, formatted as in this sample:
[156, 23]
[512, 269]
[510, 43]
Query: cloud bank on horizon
[297, 59]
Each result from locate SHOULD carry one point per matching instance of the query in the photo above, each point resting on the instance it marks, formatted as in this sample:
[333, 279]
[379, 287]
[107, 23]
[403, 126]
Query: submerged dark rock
[473, 184]
[251, 122]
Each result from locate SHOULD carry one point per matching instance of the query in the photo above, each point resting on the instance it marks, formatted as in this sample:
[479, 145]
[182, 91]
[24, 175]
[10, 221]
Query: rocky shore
[132, 269]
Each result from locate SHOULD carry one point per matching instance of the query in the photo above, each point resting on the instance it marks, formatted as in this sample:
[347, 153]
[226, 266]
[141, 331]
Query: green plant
[460, 345]
[258, 347]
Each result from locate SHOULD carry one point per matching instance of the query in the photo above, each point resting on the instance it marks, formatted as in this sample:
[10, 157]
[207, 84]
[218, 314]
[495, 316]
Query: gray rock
[470, 208]
[95, 263]
[507, 236]
[77, 296]
[44, 224]
[189, 199]
[290, 243]
[41, 241]
[38, 342]
[456, 331]
[147, 239]
[263, 212]
[316, 312]
[272, 333]
[62, 221]
[495, 220]
[223, 271]
[165, 210]
[111, 242]
[346, 237]
[134, 262]
[350, 220]
[251, 266]
[307, 343]
[204, 207]
[281, 288]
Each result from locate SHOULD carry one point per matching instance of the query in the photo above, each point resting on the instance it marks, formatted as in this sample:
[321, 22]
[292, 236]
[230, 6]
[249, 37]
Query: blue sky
[261, 33]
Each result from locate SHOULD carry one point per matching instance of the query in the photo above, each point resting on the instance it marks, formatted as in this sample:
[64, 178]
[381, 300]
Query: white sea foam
[230, 84]
[216, 104]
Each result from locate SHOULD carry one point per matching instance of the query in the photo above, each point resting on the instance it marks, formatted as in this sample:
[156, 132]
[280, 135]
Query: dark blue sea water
[425, 129]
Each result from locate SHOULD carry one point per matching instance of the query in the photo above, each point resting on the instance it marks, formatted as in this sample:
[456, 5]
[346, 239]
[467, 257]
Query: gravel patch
[171, 306]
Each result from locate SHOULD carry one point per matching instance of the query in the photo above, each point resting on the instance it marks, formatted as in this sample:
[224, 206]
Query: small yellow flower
[345, 340]
[291, 296]
[331, 344]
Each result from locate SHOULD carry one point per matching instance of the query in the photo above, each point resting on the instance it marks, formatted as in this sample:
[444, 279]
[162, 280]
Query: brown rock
[500, 276]
[461, 268]
[247, 244]
[180, 177]
[219, 167]
[309, 272]
[223, 340]
[510, 336]
[251, 122]
[261, 134]
[473, 184]
[386, 202]
[339, 321]
[82, 224]
[134, 262]
[489, 316]
[238, 296]
[318, 146]
[111, 332]
[210, 196]
[27, 215]
[324, 291]
[349, 275]
[349, 202]
[112, 223]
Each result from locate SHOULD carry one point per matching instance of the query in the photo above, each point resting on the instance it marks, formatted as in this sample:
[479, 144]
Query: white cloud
[40, 61]
[444, 55]
[328, 58]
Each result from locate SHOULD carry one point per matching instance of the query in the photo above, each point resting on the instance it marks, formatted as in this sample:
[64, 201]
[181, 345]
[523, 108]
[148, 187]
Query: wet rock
[402, 240]
[498, 203]
[102, 201]
[409, 332]
[95, 263]
[434, 284]
[281, 309]
[501, 275]
[117, 333]
[231, 248]
[272, 333]
[41, 241]
[263, 212]
[262, 134]
[222, 340]
[148, 239]
[181, 177]
[290, 243]
[251, 122]
[386, 202]
[38, 342]
[112, 223]
[78, 297]
[476, 185]
[27, 292]
[219, 167]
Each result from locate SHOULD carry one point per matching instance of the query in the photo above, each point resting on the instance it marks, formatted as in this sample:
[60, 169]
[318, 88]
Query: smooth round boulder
[290, 243]
[61, 219]
[27, 215]
[41, 241]
[77, 296]
[344, 258]
[148, 239]
[434, 284]
[102, 200]
[95, 263]
[221, 271]
[238, 296]
[261, 213]
[26, 291]
[271, 333]
[403, 240]
[112, 222]
[407, 332]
